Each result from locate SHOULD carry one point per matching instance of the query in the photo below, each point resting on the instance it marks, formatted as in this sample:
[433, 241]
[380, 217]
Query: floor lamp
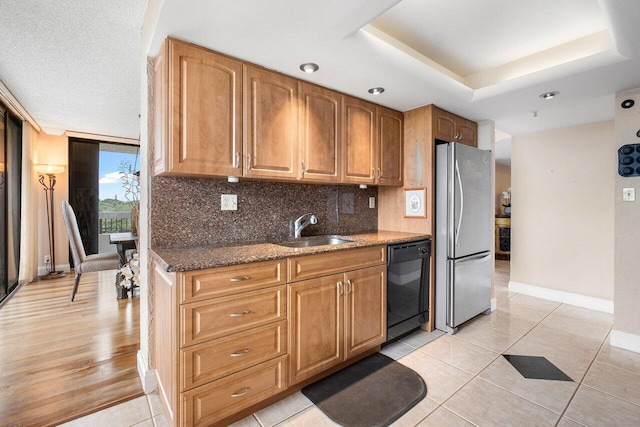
[50, 171]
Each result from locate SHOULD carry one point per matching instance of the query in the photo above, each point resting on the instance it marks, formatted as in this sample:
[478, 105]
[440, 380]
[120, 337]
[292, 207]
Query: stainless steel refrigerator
[463, 234]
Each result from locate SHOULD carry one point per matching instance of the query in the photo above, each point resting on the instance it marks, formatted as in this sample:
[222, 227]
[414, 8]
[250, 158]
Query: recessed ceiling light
[309, 67]
[549, 95]
[376, 90]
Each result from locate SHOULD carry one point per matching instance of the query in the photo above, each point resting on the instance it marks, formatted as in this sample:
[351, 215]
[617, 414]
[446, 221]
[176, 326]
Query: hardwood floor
[61, 360]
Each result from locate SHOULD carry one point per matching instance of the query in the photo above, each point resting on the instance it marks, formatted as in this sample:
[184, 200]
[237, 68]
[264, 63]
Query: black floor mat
[375, 391]
[536, 367]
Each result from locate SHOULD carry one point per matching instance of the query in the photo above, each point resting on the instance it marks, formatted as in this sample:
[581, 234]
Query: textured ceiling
[74, 64]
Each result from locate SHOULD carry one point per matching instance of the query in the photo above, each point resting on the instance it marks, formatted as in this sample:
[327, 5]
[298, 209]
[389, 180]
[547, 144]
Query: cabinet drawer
[202, 321]
[205, 405]
[215, 359]
[308, 267]
[217, 282]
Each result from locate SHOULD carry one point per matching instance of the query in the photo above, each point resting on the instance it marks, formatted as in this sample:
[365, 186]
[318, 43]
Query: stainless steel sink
[314, 242]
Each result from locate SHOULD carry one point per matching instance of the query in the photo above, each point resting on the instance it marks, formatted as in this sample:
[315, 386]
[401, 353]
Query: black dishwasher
[407, 287]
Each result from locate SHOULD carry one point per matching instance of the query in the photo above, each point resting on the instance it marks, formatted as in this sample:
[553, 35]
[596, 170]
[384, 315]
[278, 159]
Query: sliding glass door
[10, 187]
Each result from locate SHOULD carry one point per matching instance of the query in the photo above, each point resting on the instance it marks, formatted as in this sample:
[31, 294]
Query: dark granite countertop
[197, 258]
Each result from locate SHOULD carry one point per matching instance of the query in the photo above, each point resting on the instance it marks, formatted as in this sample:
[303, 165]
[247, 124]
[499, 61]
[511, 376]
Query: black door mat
[375, 391]
[536, 367]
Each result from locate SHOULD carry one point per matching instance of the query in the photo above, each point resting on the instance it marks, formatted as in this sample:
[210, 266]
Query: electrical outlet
[229, 202]
[372, 202]
[47, 259]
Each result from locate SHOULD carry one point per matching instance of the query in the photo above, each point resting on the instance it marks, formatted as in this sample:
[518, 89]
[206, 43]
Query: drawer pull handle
[241, 393]
[244, 313]
[240, 279]
[240, 353]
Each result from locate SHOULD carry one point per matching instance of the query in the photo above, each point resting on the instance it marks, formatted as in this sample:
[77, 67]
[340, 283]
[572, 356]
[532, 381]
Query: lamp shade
[49, 169]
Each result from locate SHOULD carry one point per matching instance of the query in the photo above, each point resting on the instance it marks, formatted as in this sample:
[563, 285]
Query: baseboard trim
[570, 298]
[43, 270]
[494, 303]
[147, 377]
[625, 340]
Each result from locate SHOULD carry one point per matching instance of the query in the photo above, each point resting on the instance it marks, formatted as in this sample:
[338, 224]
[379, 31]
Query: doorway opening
[103, 190]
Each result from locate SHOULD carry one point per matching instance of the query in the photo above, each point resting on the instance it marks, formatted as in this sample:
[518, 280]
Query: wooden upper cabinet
[444, 125]
[160, 108]
[451, 128]
[204, 113]
[467, 132]
[391, 157]
[270, 124]
[320, 133]
[359, 141]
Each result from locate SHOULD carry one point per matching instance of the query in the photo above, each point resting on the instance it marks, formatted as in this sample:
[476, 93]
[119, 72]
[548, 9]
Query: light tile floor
[470, 383]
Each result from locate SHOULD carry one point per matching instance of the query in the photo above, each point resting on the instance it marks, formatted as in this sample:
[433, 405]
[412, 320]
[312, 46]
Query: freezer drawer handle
[477, 259]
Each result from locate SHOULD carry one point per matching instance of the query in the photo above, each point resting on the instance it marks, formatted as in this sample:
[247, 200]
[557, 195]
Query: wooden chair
[82, 262]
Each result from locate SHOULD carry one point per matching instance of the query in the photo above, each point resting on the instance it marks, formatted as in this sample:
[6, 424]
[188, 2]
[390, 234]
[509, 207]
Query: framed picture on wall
[415, 203]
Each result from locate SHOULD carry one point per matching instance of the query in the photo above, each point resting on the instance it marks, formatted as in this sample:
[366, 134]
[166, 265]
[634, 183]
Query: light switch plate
[229, 202]
[372, 202]
[628, 194]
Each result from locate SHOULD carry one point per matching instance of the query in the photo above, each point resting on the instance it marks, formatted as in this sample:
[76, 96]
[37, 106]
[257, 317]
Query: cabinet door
[160, 107]
[206, 112]
[366, 313]
[467, 132]
[390, 131]
[320, 133]
[316, 325]
[270, 124]
[166, 340]
[359, 142]
[444, 125]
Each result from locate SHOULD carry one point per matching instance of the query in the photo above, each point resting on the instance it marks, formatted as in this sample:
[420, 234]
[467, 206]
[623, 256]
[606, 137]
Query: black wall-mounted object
[629, 160]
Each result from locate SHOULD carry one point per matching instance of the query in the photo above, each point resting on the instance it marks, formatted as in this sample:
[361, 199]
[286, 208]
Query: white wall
[53, 150]
[562, 216]
[626, 328]
[503, 181]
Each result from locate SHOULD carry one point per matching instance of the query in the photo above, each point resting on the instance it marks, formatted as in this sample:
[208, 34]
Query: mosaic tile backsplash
[186, 211]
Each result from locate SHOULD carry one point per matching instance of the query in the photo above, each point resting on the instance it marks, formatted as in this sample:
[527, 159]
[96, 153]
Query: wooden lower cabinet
[212, 360]
[229, 339]
[366, 309]
[205, 405]
[206, 320]
[316, 326]
[333, 318]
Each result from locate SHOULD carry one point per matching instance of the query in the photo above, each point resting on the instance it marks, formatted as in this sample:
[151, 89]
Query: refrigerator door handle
[476, 259]
[457, 232]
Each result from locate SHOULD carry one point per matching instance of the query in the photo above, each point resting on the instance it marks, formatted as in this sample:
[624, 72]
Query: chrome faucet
[299, 225]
